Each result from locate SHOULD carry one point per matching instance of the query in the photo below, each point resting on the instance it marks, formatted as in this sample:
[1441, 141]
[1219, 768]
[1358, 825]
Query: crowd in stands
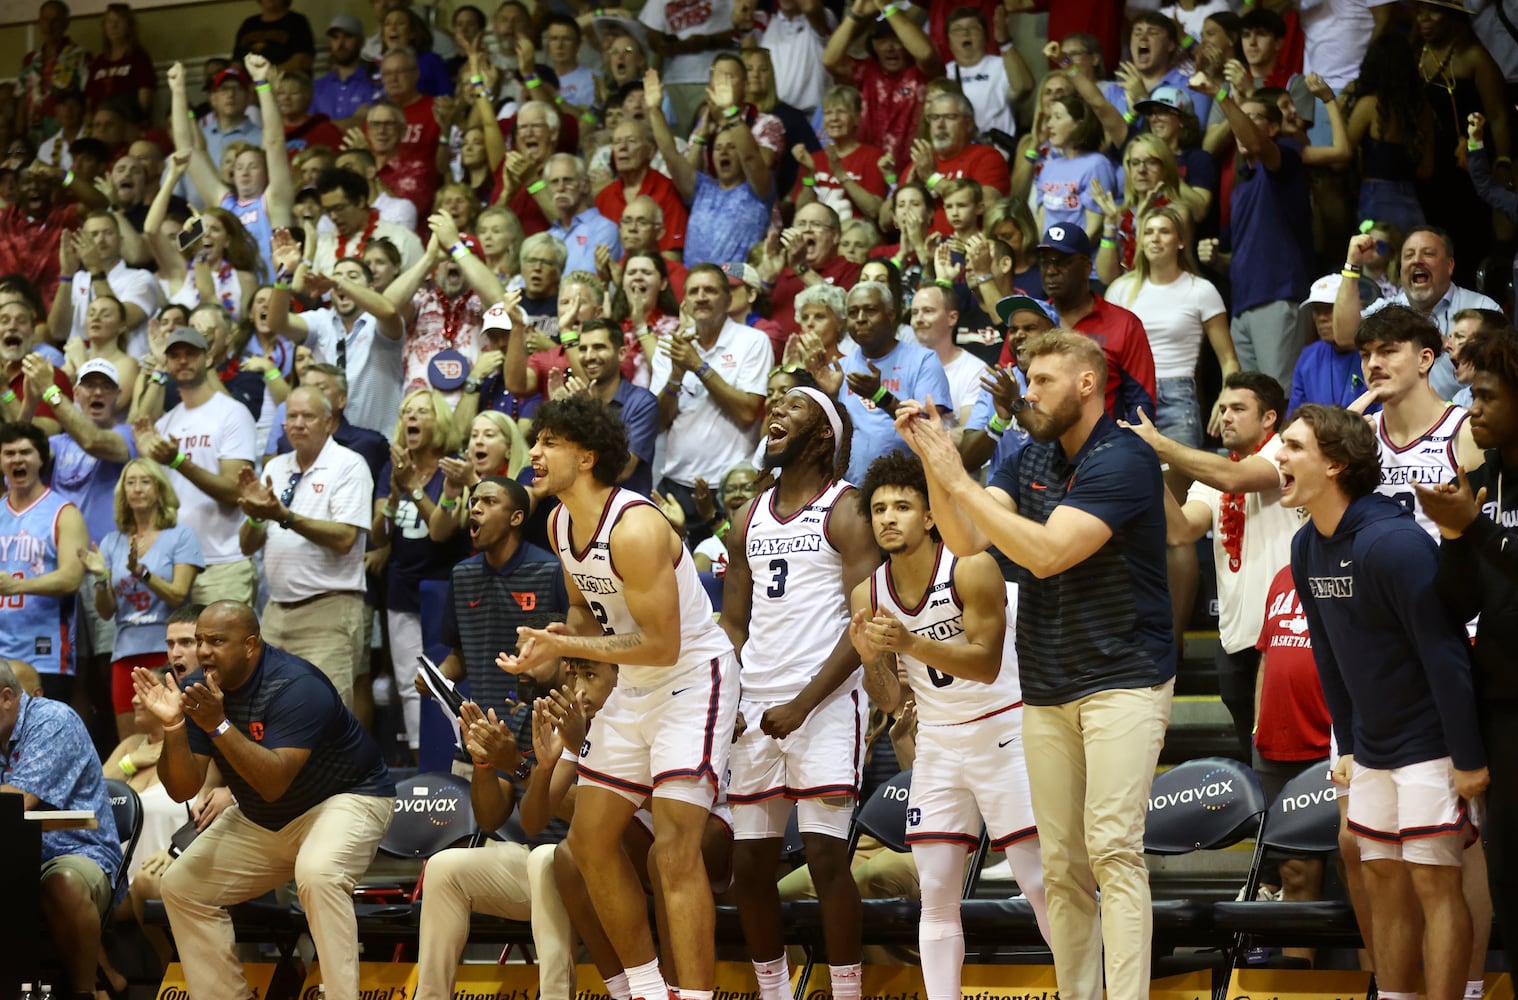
[275, 330]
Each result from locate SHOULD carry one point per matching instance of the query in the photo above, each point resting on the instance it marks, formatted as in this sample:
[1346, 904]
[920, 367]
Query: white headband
[829, 410]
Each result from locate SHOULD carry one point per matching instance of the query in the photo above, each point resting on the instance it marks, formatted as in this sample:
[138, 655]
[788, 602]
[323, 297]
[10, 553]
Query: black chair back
[432, 812]
[1305, 817]
[126, 810]
[1203, 805]
[884, 814]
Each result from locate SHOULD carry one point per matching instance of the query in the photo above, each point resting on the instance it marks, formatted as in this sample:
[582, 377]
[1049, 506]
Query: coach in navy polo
[313, 798]
[1080, 511]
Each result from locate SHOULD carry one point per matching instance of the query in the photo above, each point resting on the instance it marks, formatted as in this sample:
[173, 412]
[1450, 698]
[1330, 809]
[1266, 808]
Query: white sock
[1385, 995]
[774, 978]
[645, 982]
[695, 994]
[1475, 989]
[617, 988]
[847, 981]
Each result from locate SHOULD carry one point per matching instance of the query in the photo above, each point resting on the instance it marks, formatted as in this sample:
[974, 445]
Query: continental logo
[370, 993]
[823, 994]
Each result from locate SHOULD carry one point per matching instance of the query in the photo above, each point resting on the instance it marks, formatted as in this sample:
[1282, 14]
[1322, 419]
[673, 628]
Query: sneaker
[1263, 894]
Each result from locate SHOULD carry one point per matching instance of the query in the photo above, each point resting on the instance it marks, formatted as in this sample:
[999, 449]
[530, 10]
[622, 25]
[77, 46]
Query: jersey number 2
[601, 616]
[777, 583]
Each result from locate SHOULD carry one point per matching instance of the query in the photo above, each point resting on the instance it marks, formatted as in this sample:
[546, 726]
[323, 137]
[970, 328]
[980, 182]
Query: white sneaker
[1263, 894]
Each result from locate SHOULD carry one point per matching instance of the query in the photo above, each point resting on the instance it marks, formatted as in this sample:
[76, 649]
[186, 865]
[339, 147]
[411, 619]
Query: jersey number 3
[776, 588]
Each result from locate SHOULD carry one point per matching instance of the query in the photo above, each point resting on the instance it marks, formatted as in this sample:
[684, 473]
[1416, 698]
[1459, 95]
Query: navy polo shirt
[287, 702]
[640, 418]
[1270, 232]
[1104, 623]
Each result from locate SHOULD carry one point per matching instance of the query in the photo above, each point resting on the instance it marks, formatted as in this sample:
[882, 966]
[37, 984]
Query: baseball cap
[187, 335]
[232, 74]
[1066, 238]
[497, 317]
[742, 274]
[347, 24]
[1173, 98]
[1326, 289]
[1025, 303]
[98, 366]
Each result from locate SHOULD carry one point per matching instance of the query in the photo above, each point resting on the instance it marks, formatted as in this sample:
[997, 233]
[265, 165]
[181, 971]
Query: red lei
[1231, 516]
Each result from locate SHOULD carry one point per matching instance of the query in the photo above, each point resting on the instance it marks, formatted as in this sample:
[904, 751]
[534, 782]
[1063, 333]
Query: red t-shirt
[1130, 363]
[1294, 722]
[316, 130]
[839, 271]
[414, 179]
[29, 247]
[109, 77]
[979, 163]
[892, 107]
[419, 149]
[59, 379]
[861, 166]
[938, 25]
[613, 200]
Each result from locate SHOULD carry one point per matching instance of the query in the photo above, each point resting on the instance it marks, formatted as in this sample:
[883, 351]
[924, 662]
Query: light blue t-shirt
[88, 482]
[723, 225]
[910, 371]
[141, 616]
[1014, 438]
[1064, 188]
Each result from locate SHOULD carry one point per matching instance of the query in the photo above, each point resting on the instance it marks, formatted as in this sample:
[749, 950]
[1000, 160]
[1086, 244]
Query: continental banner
[258, 975]
[376, 981]
[1297, 984]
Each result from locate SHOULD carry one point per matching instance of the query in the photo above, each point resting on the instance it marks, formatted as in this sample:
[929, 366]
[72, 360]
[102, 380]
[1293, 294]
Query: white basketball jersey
[799, 610]
[943, 700]
[1430, 460]
[601, 583]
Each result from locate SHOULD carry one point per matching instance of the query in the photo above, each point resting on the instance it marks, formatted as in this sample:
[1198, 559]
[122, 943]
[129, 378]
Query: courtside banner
[1499, 986]
[735, 981]
[258, 975]
[376, 981]
[1297, 984]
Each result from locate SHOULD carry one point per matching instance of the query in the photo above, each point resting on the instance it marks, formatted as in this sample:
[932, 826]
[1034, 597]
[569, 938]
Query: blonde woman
[1178, 308]
[496, 447]
[105, 337]
[500, 236]
[459, 201]
[1151, 179]
[1033, 149]
[143, 570]
[407, 493]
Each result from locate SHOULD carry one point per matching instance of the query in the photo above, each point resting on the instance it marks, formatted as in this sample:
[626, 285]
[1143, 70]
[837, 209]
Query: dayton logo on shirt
[1327, 587]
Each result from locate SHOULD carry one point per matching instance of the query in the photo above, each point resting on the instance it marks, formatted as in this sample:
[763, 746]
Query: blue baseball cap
[1066, 237]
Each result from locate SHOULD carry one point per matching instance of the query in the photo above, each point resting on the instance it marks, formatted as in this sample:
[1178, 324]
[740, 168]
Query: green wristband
[997, 425]
[880, 394]
[808, 182]
[536, 186]
[178, 460]
[51, 395]
[272, 375]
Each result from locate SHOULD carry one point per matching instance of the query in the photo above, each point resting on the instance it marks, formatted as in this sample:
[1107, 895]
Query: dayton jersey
[943, 700]
[1430, 460]
[799, 608]
[601, 584]
[33, 628]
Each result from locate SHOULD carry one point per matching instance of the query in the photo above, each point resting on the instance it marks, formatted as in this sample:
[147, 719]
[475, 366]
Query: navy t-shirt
[1270, 232]
[287, 702]
[414, 556]
[1104, 623]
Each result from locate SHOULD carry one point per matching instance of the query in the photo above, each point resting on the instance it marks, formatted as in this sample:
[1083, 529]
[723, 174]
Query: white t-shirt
[1191, 21]
[129, 284]
[703, 441]
[686, 19]
[964, 374]
[985, 85]
[796, 51]
[220, 428]
[337, 487]
[390, 208]
[1266, 547]
[1172, 315]
[405, 241]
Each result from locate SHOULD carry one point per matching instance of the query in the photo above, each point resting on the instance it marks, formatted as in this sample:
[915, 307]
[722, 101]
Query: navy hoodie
[1394, 662]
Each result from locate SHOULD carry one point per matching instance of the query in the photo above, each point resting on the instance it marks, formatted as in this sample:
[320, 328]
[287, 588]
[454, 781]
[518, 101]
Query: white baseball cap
[99, 366]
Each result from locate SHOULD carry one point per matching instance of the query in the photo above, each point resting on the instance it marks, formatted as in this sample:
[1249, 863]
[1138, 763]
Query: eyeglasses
[289, 493]
[1152, 161]
[386, 123]
[627, 51]
[945, 117]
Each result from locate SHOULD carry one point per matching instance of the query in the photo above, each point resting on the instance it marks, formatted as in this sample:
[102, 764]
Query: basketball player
[946, 621]
[41, 535]
[1422, 440]
[803, 547]
[635, 599]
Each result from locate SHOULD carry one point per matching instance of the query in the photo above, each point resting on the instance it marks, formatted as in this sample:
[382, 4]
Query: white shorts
[821, 760]
[967, 773]
[669, 741]
[1409, 813]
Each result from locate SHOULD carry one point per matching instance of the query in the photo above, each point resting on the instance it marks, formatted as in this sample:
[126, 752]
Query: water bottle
[46, 994]
[26, 992]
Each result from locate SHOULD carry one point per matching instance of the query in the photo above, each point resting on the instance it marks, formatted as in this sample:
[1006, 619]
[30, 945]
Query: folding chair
[126, 810]
[1304, 821]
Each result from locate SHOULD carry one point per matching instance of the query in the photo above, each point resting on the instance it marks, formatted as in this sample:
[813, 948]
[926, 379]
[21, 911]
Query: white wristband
[221, 730]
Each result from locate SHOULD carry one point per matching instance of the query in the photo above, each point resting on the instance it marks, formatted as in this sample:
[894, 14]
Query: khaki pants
[232, 581]
[503, 879]
[326, 850]
[327, 630]
[1090, 767]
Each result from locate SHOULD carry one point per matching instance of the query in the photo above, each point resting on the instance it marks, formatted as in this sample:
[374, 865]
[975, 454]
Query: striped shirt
[1104, 623]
